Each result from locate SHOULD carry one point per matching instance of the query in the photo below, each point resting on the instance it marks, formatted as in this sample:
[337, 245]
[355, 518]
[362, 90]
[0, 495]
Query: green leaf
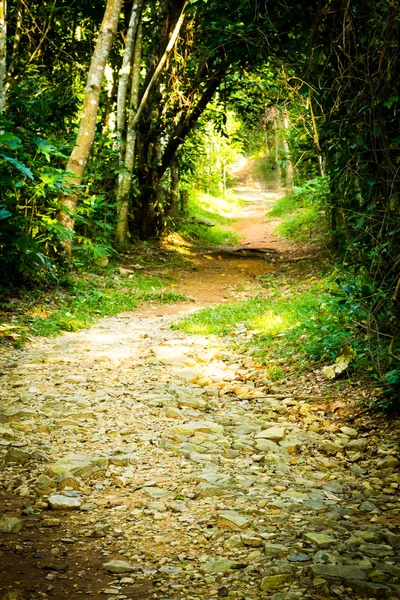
[18, 165]
[10, 140]
[388, 103]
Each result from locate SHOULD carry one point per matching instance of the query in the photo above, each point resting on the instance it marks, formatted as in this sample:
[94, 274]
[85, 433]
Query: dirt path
[139, 462]
[216, 277]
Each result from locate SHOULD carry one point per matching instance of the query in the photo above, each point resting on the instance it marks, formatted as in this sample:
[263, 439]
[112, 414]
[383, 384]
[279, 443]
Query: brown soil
[215, 278]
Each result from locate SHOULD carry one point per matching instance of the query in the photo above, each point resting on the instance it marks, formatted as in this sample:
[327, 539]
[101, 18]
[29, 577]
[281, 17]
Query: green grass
[288, 330]
[84, 300]
[302, 212]
[216, 211]
[284, 206]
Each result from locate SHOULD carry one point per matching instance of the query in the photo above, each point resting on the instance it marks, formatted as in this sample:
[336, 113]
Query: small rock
[330, 572]
[320, 539]
[332, 447]
[276, 434]
[234, 541]
[75, 379]
[213, 567]
[17, 455]
[59, 502]
[299, 558]
[51, 522]
[368, 507]
[119, 566]
[155, 492]
[349, 431]
[10, 525]
[232, 519]
[251, 540]
[388, 462]
[358, 444]
[190, 429]
[272, 582]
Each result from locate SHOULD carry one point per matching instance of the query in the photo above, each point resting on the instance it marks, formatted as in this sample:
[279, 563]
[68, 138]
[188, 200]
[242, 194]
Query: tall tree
[80, 154]
[3, 54]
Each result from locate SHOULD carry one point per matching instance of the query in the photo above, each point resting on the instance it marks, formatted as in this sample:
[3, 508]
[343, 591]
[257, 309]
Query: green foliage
[82, 300]
[303, 211]
[214, 211]
[297, 327]
[29, 186]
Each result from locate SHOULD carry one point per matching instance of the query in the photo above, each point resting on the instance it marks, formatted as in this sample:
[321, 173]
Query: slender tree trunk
[16, 42]
[187, 122]
[277, 147]
[184, 200]
[160, 66]
[3, 54]
[80, 154]
[288, 161]
[124, 77]
[174, 190]
[126, 169]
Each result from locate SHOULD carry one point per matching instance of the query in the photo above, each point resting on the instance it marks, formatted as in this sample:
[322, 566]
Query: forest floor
[139, 461]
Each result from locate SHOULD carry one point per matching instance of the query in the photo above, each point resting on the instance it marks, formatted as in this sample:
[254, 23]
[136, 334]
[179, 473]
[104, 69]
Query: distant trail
[216, 278]
[252, 224]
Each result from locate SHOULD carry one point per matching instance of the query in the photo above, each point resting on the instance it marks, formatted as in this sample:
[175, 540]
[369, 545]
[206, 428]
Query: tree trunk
[277, 148]
[3, 54]
[124, 77]
[160, 66]
[80, 154]
[184, 200]
[148, 201]
[126, 170]
[174, 190]
[288, 161]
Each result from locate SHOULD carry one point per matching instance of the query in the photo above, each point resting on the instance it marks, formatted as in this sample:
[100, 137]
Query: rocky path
[138, 462]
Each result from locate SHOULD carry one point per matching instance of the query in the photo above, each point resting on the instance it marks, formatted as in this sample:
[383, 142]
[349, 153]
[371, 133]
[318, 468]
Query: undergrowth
[299, 326]
[79, 302]
[296, 324]
[302, 212]
[216, 212]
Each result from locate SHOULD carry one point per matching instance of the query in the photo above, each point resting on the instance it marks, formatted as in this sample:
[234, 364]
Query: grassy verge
[302, 212]
[217, 212]
[82, 300]
[287, 326]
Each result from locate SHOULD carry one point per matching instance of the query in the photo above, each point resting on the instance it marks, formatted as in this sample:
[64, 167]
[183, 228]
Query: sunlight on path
[142, 463]
[146, 463]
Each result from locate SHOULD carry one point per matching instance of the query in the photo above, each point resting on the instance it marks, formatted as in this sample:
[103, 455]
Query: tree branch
[187, 122]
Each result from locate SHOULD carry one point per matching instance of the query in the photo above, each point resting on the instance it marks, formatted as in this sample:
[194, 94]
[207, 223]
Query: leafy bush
[304, 211]
[29, 187]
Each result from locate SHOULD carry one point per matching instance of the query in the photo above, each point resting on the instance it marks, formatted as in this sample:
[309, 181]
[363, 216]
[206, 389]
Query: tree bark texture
[160, 66]
[80, 154]
[148, 200]
[3, 54]
[124, 77]
[126, 168]
[174, 189]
